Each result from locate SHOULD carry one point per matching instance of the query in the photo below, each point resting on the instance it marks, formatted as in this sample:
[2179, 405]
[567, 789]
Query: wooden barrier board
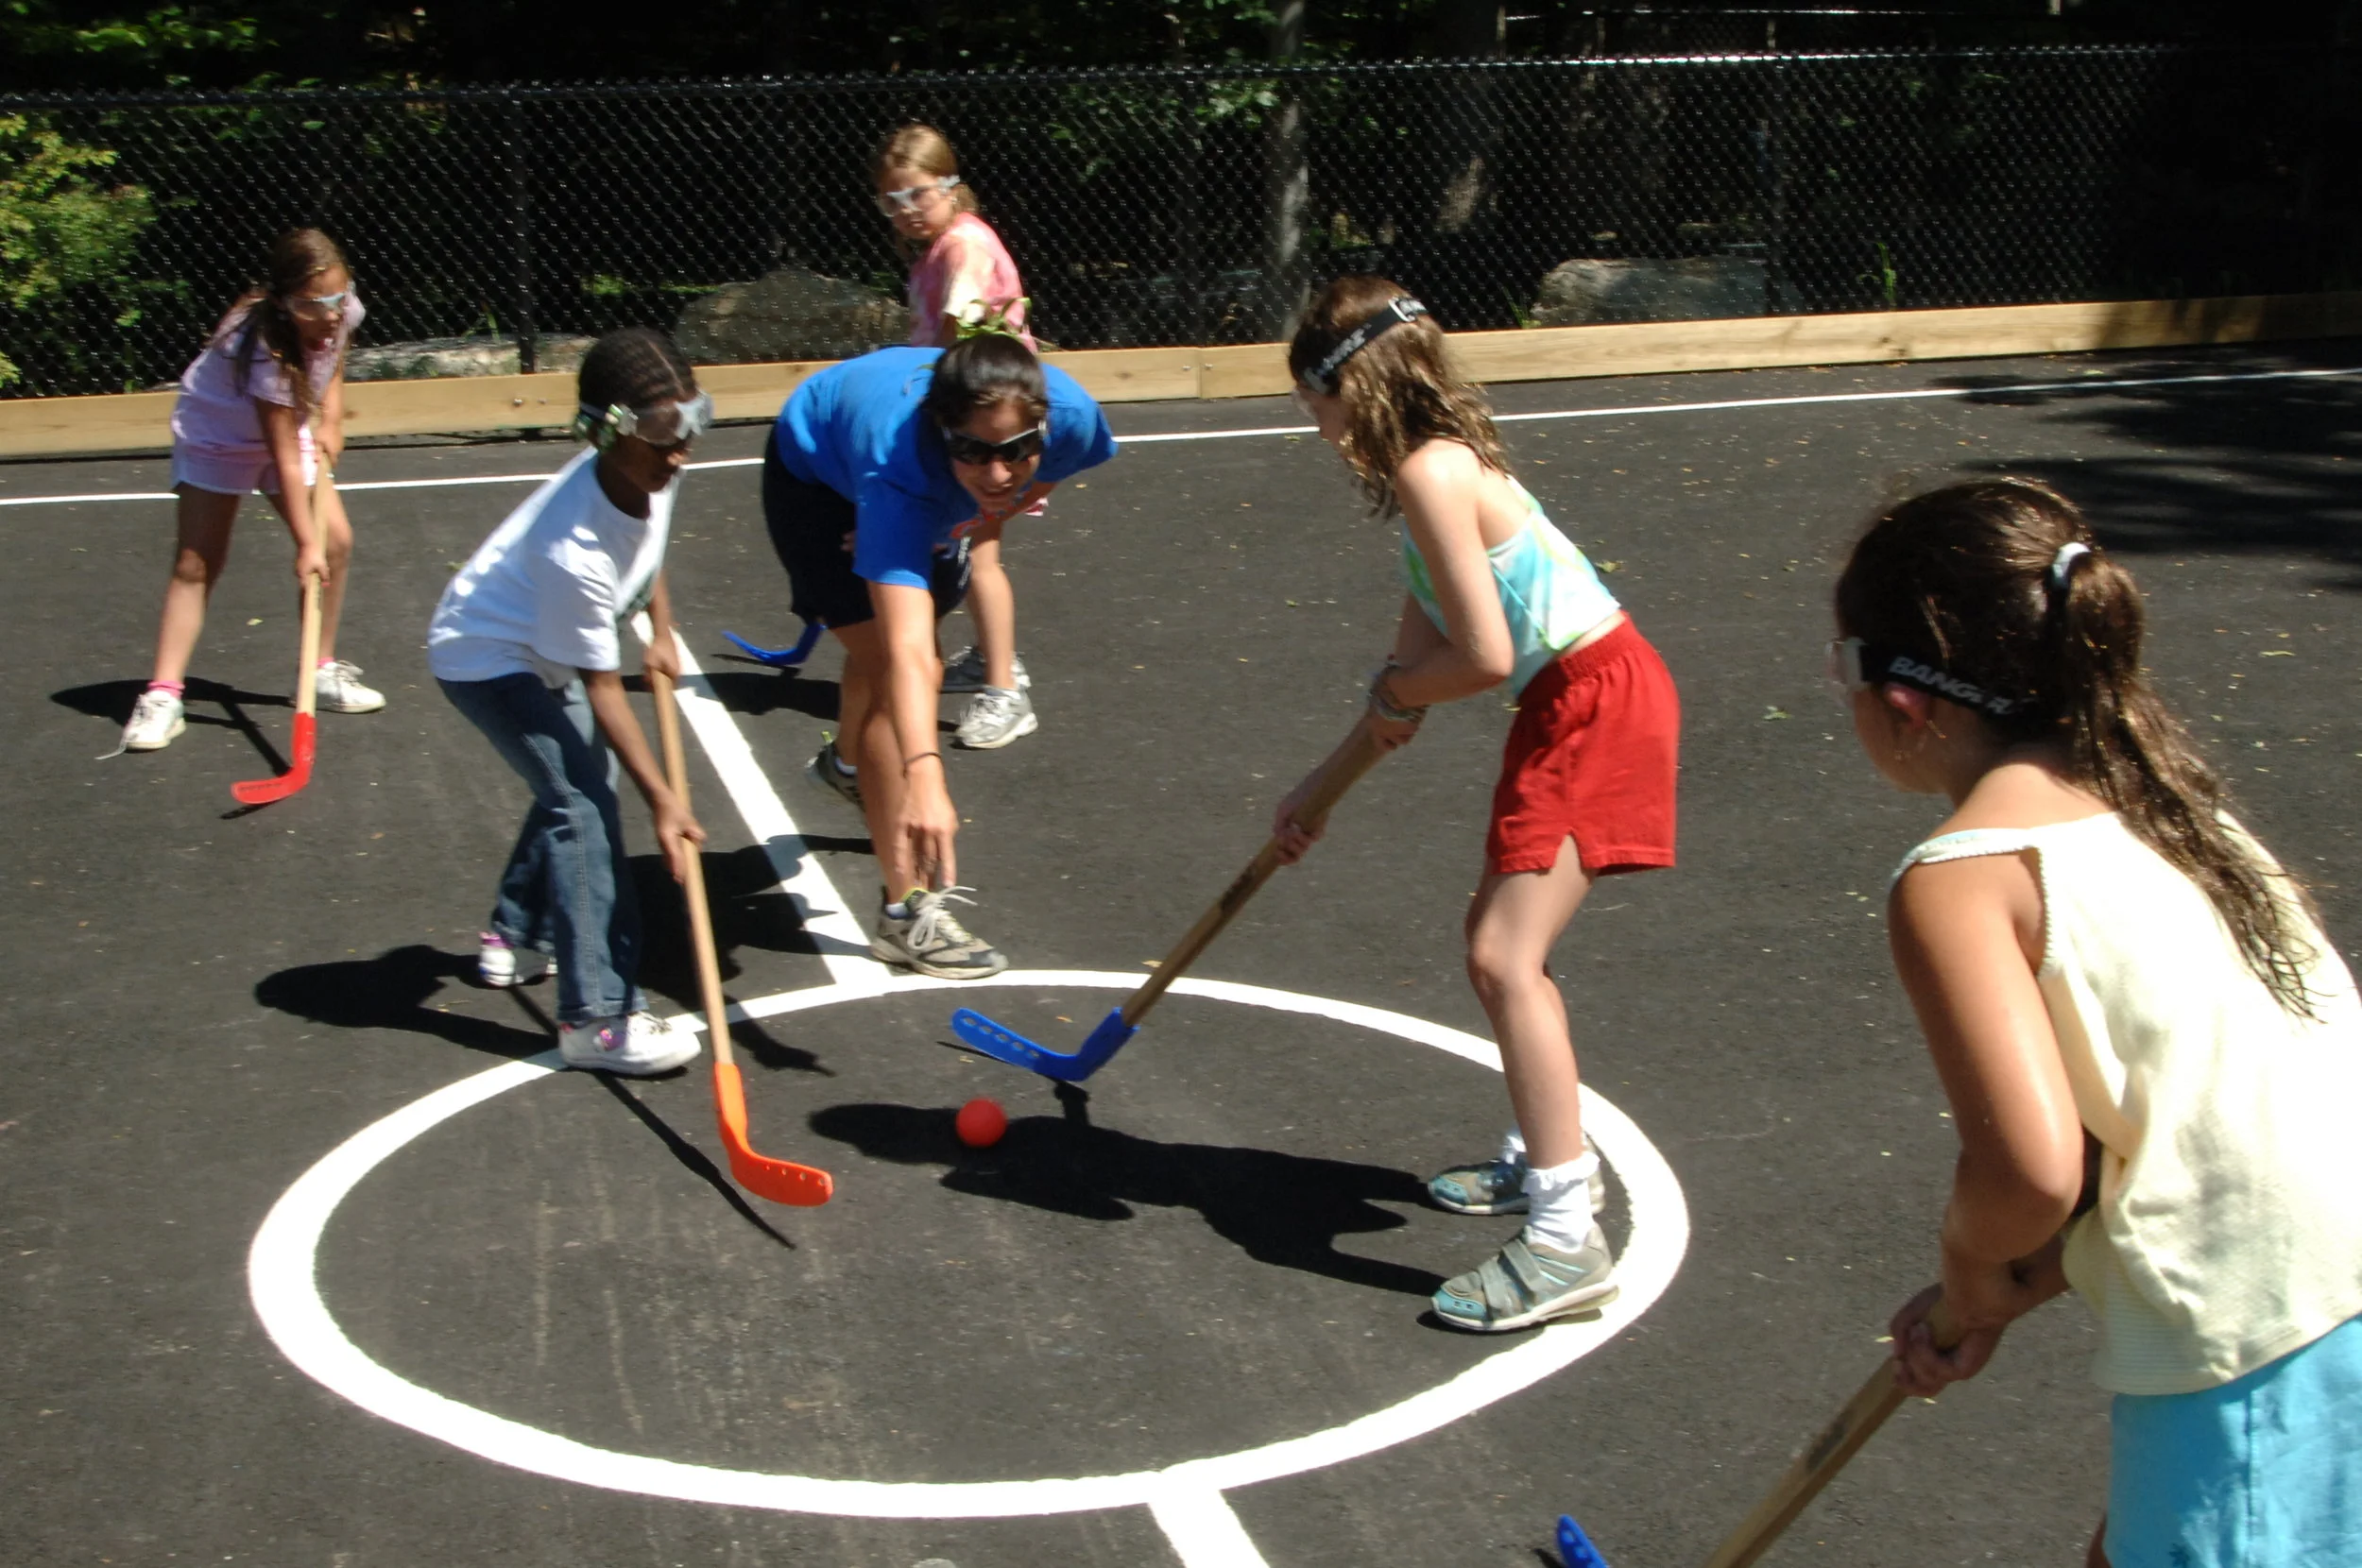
[140, 421]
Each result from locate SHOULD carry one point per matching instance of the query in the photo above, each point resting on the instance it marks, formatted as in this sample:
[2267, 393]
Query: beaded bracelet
[1385, 708]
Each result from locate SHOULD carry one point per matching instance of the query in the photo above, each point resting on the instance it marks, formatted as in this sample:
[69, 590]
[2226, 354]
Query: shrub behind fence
[1194, 206]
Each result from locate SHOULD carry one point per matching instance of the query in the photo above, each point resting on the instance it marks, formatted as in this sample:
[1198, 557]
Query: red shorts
[1592, 756]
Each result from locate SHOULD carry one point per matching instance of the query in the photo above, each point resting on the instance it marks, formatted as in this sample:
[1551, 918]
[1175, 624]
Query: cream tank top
[2229, 1227]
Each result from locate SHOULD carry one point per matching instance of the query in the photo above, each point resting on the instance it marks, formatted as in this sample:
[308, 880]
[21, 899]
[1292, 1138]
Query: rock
[789, 314]
[460, 356]
[1697, 288]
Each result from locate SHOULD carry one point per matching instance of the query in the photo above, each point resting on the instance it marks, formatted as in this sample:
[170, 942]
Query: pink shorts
[1592, 757]
[235, 471]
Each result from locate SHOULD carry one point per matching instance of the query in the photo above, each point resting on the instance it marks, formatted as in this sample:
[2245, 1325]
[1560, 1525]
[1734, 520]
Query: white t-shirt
[548, 593]
[215, 413]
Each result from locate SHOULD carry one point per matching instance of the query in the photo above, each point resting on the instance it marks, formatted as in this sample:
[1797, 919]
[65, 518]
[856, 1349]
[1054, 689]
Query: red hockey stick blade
[261, 791]
[780, 1180]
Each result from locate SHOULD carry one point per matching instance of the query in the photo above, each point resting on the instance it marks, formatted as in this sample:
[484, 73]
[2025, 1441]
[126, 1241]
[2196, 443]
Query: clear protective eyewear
[665, 425]
[1845, 665]
[894, 203]
[974, 452]
[319, 304]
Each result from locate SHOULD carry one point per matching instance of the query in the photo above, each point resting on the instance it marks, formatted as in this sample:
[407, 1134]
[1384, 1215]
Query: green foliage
[64, 227]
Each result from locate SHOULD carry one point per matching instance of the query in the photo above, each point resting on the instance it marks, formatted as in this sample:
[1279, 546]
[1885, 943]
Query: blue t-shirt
[857, 427]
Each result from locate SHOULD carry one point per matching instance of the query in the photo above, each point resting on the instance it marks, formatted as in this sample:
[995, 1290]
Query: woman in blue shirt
[880, 472]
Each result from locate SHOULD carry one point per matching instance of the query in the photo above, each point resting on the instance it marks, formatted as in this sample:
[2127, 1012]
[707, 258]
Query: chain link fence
[1187, 206]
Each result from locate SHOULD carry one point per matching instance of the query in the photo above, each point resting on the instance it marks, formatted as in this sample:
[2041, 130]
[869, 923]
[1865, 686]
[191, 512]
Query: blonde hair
[1400, 391]
[928, 151]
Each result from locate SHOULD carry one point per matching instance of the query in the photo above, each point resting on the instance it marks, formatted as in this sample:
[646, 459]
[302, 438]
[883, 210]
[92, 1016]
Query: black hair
[1977, 580]
[634, 366]
[978, 371]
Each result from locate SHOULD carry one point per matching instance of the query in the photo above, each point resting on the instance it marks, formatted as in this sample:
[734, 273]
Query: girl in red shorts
[1496, 593]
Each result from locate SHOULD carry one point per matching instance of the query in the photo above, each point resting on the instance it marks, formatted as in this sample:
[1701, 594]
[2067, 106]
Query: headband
[1865, 664]
[1399, 312]
[2063, 564]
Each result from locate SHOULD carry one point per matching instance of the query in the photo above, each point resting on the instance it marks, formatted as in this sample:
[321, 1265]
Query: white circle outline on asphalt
[283, 1279]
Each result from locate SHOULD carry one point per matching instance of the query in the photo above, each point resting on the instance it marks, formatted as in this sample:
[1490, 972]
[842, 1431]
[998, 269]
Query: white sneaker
[965, 674]
[501, 964]
[157, 721]
[996, 717]
[636, 1047]
[337, 688]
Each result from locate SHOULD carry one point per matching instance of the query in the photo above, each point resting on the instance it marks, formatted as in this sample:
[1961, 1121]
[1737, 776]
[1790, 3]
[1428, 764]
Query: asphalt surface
[1221, 1245]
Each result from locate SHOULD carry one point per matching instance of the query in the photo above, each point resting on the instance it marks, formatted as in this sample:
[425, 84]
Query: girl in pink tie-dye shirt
[961, 273]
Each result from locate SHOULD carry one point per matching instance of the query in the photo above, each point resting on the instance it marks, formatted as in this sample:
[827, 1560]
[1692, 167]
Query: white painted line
[1916, 395]
[1204, 1531]
[283, 1279]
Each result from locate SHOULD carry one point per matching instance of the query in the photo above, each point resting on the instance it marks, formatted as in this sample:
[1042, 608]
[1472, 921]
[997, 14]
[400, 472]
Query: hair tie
[990, 322]
[2062, 564]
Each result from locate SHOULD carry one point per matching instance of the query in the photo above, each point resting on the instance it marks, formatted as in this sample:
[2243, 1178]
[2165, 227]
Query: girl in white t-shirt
[527, 642]
[244, 421]
[2151, 1052]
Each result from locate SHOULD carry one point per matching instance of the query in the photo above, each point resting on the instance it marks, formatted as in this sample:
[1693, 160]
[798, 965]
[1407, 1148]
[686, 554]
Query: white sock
[1558, 1200]
[897, 911]
[837, 758]
[1513, 1147]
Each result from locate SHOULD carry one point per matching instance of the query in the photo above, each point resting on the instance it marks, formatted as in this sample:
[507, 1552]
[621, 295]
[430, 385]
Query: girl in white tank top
[2151, 1050]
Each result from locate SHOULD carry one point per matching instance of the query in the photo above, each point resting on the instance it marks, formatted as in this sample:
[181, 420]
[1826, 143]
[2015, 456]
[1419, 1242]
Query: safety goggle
[970, 450]
[668, 424]
[909, 196]
[1856, 665]
[319, 304]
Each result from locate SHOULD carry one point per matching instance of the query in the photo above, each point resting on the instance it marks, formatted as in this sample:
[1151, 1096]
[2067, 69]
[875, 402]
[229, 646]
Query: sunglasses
[909, 196]
[1019, 448]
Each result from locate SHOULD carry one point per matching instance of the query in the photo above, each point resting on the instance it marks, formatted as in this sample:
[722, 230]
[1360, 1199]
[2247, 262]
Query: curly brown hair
[1961, 578]
[1400, 391]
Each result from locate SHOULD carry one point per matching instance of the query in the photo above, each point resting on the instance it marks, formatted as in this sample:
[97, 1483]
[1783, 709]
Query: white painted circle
[283, 1277]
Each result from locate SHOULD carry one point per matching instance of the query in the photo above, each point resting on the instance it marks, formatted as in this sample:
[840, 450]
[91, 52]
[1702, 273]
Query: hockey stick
[304, 742]
[1811, 1470]
[780, 658]
[980, 1034]
[780, 1180]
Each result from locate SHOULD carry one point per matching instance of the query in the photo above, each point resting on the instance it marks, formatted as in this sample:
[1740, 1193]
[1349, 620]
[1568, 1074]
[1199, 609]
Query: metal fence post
[1775, 248]
[515, 154]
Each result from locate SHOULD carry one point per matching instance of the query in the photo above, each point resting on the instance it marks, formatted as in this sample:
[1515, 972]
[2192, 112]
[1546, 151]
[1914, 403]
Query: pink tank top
[965, 272]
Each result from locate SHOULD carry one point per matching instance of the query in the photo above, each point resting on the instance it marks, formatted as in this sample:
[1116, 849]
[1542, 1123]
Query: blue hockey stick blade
[780, 658]
[980, 1034]
[1575, 1546]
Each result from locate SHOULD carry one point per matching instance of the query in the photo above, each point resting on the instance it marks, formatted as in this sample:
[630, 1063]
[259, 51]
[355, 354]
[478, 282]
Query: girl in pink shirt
[962, 276]
[244, 421]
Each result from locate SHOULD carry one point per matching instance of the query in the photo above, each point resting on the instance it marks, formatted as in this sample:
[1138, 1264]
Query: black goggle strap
[1322, 378]
[1863, 664]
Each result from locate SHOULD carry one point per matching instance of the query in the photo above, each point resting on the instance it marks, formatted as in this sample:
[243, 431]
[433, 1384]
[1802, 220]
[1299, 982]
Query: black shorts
[811, 528]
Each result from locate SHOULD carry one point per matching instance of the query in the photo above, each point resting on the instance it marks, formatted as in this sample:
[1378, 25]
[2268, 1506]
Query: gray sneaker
[1529, 1283]
[995, 717]
[1495, 1186]
[965, 674]
[930, 940]
[825, 775]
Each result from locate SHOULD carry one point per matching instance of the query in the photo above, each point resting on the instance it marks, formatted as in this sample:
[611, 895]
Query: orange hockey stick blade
[780, 1180]
[261, 791]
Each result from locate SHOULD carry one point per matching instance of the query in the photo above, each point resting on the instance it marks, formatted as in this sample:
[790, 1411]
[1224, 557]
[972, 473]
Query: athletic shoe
[157, 721]
[1495, 1186]
[337, 688]
[930, 940]
[965, 674]
[501, 964]
[996, 716]
[636, 1047]
[1529, 1283]
[824, 773]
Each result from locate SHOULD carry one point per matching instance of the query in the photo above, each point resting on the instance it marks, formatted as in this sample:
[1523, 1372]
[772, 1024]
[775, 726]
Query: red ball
[980, 1124]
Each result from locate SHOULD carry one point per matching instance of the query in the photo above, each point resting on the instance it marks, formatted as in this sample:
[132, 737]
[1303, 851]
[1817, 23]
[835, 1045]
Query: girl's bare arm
[1437, 488]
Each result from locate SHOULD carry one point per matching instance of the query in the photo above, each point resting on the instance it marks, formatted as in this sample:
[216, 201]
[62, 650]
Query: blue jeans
[566, 890]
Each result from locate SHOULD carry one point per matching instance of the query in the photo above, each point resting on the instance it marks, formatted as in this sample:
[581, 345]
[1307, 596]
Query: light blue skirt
[2264, 1471]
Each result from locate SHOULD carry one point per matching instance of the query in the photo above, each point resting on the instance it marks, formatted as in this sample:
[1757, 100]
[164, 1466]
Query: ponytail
[1999, 584]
